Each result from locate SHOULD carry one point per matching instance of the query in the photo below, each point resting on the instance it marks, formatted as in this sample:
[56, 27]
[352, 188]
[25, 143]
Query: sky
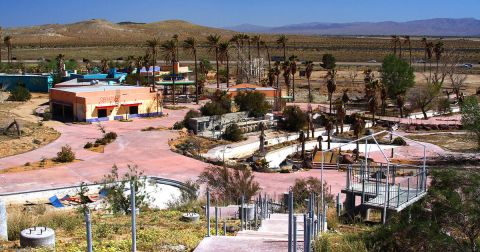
[224, 13]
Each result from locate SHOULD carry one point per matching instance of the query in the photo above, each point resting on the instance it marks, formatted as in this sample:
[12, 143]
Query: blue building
[33, 82]
[113, 76]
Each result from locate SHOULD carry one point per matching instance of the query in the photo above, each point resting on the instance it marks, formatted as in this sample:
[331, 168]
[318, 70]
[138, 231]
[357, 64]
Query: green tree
[397, 76]
[328, 61]
[233, 133]
[213, 43]
[116, 185]
[230, 184]
[220, 104]
[471, 116]
[304, 187]
[191, 45]
[253, 102]
[294, 119]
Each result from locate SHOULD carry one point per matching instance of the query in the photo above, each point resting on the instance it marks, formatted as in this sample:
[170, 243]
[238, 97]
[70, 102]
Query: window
[133, 110]
[102, 113]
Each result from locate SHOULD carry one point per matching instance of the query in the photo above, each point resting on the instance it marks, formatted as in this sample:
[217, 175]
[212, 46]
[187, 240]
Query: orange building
[270, 93]
[104, 103]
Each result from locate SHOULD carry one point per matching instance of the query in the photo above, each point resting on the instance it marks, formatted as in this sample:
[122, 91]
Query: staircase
[272, 236]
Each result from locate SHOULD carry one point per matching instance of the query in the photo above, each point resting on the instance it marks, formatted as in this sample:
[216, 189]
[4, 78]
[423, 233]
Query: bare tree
[423, 97]
[457, 81]
[352, 74]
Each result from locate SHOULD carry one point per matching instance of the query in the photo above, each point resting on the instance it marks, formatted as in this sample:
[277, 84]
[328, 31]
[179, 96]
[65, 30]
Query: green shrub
[294, 119]
[20, 93]
[253, 102]
[233, 133]
[178, 125]
[66, 155]
[399, 141]
[443, 106]
[220, 104]
[47, 116]
[88, 145]
[304, 187]
[110, 136]
[101, 141]
[283, 170]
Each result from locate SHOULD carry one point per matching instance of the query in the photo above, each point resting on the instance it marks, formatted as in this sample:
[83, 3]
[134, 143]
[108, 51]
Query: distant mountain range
[427, 27]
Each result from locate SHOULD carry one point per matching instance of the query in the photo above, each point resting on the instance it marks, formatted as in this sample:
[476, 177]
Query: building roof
[85, 82]
[96, 88]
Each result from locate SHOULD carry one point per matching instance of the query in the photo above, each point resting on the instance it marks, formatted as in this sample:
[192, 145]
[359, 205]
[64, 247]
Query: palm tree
[286, 75]
[60, 64]
[247, 38]
[175, 39]
[409, 43]
[256, 40]
[331, 85]
[341, 114]
[383, 97]
[152, 46]
[190, 44]
[429, 50]
[279, 90]
[425, 42]
[169, 50]
[399, 47]
[358, 126]
[236, 39]
[213, 41]
[293, 70]
[329, 124]
[438, 49]
[394, 40]
[104, 63]
[308, 74]
[400, 103]
[282, 41]
[268, 52]
[223, 48]
[8, 43]
[271, 76]
[372, 107]
[88, 65]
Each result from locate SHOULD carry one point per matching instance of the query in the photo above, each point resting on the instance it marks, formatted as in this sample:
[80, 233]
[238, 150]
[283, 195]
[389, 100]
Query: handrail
[163, 181]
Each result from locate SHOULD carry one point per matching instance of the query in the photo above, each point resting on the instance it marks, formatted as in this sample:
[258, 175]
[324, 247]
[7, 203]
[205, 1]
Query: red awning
[132, 104]
[106, 106]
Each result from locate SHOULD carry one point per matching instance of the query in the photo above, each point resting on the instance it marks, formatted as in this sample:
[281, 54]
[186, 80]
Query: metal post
[216, 220]
[384, 219]
[88, 225]
[242, 212]
[305, 233]
[224, 228]
[134, 221]
[255, 212]
[408, 189]
[294, 233]
[398, 195]
[208, 212]
[290, 219]
[338, 205]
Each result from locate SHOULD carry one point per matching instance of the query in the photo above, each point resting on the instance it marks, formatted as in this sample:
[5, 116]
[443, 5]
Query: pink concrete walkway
[147, 149]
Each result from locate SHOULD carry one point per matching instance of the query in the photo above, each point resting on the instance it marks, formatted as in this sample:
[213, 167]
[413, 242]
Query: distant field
[347, 49]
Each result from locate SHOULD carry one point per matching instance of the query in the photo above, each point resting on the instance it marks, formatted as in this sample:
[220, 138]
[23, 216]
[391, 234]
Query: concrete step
[269, 235]
[243, 244]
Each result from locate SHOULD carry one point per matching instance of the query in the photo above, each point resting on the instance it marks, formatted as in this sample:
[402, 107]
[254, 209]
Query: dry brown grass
[39, 165]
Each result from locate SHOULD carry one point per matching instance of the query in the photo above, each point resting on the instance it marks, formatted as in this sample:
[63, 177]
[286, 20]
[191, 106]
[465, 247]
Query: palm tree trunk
[330, 98]
[293, 86]
[196, 76]
[279, 93]
[228, 72]
[410, 51]
[328, 138]
[218, 76]
[173, 81]
[424, 113]
[309, 90]
[268, 55]
[284, 52]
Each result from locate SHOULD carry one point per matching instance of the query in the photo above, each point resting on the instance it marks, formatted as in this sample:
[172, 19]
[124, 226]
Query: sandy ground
[34, 135]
